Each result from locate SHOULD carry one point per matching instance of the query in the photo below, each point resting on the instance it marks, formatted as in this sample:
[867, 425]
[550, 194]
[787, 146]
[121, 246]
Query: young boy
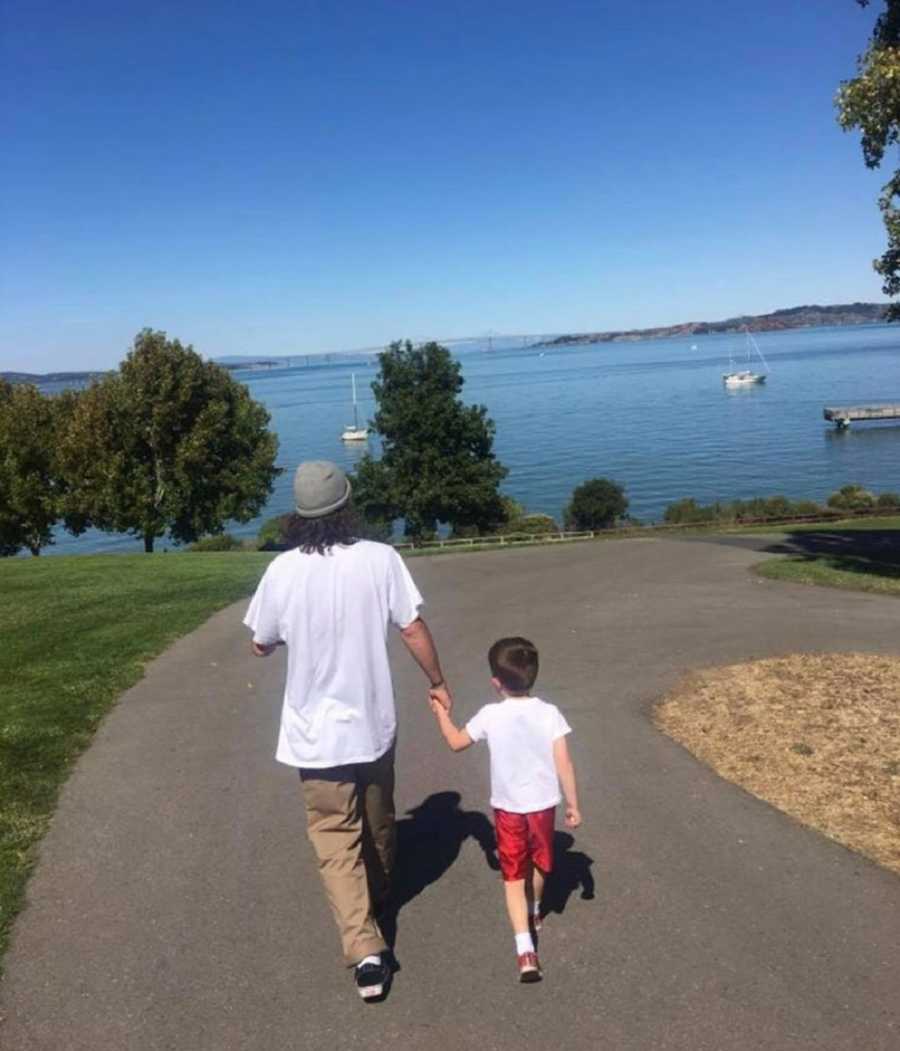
[529, 762]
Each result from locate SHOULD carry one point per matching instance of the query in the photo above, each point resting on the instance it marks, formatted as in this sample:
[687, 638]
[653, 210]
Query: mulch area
[816, 735]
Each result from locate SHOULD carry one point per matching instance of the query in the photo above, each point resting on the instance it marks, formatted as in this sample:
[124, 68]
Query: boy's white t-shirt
[520, 732]
[333, 611]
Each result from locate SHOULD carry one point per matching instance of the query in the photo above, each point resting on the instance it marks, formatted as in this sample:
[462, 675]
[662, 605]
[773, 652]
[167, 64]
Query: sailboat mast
[355, 412]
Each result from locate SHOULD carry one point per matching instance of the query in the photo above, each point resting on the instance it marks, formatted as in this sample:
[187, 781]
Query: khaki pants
[350, 820]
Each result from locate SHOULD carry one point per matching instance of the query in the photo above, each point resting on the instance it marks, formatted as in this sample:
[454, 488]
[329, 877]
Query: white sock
[537, 908]
[524, 943]
[369, 959]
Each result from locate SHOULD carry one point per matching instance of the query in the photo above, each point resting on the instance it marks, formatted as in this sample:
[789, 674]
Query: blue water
[654, 416]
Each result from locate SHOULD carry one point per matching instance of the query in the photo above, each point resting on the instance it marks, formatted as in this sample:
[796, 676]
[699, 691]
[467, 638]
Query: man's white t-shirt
[333, 611]
[520, 732]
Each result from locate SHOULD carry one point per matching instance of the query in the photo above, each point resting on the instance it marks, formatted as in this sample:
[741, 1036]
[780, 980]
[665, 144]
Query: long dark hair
[317, 535]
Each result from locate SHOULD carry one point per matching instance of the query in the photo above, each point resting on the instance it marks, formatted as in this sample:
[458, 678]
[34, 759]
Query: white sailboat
[355, 433]
[744, 377]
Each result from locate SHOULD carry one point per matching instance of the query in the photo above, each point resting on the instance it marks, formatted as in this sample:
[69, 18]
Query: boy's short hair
[514, 663]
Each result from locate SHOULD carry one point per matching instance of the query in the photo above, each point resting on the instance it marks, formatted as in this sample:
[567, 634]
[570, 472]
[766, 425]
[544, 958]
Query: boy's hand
[436, 707]
[573, 817]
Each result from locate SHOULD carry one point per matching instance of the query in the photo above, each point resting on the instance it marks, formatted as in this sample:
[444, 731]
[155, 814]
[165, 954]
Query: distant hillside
[50, 377]
[792, 317]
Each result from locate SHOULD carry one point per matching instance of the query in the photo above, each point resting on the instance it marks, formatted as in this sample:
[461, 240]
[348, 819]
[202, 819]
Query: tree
[437, 462]
[29, 486]
[871, 102]
[596, 504]
[168, 443]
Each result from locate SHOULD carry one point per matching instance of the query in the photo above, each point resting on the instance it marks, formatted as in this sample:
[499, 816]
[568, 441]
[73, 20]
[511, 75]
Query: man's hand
[441, 695]
[573, 817]
[262, 649]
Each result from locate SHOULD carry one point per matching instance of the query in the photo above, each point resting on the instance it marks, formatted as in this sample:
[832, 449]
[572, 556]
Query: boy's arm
[457, 739]
[565, 771]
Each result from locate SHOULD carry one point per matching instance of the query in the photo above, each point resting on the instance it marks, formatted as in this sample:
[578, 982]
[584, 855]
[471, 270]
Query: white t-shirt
[333, 611]
[520, 732]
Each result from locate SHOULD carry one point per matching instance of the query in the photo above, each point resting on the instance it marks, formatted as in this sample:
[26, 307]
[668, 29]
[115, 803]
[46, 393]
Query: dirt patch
[817, 735]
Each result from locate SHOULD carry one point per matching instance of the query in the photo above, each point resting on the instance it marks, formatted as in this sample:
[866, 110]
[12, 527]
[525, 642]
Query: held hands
[440, 696]
[573, 817]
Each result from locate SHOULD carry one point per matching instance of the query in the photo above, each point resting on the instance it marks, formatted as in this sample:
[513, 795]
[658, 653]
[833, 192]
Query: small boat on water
[744, 377]
[355, 433]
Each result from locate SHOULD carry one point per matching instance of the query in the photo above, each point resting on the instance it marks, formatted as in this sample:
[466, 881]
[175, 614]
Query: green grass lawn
[858, 574]
[854, 525]
[857, 555]
[76, 631]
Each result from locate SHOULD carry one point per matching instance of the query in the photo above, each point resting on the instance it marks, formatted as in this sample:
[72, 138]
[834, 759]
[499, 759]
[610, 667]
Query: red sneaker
[529, 967]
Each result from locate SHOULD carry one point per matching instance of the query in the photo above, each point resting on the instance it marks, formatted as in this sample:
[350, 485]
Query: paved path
[176, 905]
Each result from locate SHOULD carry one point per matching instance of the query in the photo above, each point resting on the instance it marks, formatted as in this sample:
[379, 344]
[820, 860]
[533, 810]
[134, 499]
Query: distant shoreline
[777, 321]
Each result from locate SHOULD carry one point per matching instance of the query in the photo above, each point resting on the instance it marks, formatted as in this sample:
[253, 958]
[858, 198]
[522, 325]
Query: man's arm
[417, 639]
[565, 771]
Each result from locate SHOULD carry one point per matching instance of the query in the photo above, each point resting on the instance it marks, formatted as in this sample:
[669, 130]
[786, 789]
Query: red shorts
[524, 840]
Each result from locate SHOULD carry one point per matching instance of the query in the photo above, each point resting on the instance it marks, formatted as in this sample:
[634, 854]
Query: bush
[271, 533]
[217, 542]
[596, 504]
[888, 501]
[760, 508]
[533, 525]
[687, 510]
[852, 498]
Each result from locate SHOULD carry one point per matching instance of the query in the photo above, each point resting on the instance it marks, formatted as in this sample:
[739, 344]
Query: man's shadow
[571, 870]
[428, 843]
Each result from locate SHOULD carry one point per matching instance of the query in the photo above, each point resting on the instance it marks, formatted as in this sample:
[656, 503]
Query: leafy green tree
[168, 443]
[596, 504]
[29, 486]
[437, 463]
[871, 102]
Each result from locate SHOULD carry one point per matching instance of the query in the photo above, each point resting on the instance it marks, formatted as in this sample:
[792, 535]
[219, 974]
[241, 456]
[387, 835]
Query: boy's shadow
[428, 843]
[571, 870]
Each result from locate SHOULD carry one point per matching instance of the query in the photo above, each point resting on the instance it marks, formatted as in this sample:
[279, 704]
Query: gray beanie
[320, 487]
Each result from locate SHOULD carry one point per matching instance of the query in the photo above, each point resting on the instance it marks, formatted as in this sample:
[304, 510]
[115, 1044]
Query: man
[330, 599]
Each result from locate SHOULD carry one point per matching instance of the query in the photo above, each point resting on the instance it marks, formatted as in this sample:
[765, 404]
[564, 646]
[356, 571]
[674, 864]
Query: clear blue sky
[280, 178]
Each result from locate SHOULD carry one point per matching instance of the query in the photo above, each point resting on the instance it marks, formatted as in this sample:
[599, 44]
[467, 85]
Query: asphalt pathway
[176, 904]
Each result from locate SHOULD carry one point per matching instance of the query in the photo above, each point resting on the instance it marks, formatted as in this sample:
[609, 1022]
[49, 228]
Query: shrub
[888, 501]
[271, 533]
[217, 542]
[596, 504]
[687, 510]
[808, 509]
[852, 498]
[533, 525]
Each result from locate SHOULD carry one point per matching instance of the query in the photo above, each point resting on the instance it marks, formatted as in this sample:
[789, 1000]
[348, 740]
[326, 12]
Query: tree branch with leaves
[871, 103]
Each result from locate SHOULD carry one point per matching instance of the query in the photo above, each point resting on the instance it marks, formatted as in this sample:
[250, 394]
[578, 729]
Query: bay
[653, 415]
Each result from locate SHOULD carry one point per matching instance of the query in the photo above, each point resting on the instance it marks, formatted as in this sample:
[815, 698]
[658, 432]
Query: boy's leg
[376, 784]
[512, 850]
[335, 826]
[538, 878]
[540, 853]
[516, 905]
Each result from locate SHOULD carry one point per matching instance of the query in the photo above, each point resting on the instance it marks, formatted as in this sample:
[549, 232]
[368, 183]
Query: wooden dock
[843, 417]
